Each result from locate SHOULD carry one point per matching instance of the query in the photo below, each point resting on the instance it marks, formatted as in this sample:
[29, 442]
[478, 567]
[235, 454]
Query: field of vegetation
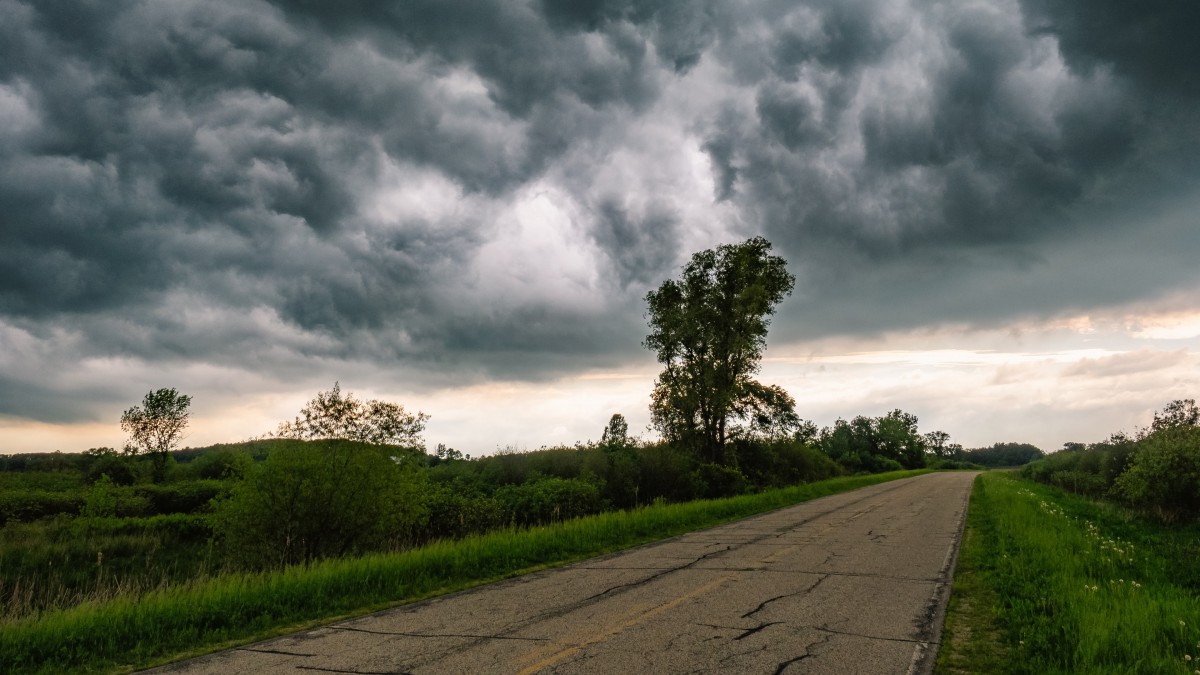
[1085, 560]
[1049, 582]
[1155, 471]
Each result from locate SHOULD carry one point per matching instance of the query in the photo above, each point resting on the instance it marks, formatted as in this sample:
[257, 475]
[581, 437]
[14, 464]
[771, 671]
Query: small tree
[156, 426]
[709, 329]
[333, 415]
[616, 434]
[937, 443]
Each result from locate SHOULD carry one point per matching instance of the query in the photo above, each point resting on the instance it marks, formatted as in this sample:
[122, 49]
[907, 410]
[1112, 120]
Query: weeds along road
[853, 583]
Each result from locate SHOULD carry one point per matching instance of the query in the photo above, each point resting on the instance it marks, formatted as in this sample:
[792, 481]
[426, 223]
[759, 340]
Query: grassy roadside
[1048, 582]
[153, 628]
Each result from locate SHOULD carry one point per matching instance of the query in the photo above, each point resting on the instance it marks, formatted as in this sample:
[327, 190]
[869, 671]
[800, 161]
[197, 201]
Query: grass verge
[125, 633]
[1048, 582]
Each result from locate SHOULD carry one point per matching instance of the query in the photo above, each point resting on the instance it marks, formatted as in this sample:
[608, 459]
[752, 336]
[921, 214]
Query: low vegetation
[1155, 472]
[1050, 582]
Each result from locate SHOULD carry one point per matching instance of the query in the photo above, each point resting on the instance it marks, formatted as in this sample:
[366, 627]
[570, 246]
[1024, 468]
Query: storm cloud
[449, 192]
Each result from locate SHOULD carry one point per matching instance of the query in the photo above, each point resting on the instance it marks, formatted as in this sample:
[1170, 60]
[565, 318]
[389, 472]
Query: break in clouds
[444, 192]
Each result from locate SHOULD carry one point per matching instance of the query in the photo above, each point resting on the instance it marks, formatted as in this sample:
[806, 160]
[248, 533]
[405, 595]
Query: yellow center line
[614, 629]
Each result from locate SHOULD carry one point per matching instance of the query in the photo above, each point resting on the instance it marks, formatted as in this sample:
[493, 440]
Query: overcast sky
[992, 208]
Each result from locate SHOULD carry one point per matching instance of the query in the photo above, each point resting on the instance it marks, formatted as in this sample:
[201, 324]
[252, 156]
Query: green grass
[1049, 582]
[156, 626]
[60, 562]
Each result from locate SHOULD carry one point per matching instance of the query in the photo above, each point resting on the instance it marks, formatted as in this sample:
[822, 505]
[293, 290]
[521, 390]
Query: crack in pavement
[353, 671]
[762, 605]
[272, 651]
[807, 654]
[735, 655]
[652, 577]
[825, 629]
[439, 635]
[751, 631]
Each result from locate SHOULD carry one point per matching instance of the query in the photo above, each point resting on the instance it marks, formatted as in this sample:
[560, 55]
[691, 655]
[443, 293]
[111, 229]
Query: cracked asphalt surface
[852, 583]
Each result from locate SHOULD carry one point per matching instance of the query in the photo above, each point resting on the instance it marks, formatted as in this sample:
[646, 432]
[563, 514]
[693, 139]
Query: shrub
[28, 505]
[182, 497]
[101, 500]
[548, 500]
[321, 499]
[220, 465]
[721, 481]
[1164, 476]
[455, 511]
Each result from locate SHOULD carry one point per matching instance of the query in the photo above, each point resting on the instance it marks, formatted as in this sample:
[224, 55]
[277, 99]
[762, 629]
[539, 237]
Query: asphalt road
[853, 583]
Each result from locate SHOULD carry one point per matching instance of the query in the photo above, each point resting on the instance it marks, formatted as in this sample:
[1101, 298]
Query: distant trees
[1005, 454]
[334, 415]
[709, 329]
[1156, 471]
[156, 427]
[882, 443]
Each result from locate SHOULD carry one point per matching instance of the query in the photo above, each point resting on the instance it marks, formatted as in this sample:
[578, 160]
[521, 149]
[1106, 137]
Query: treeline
[999, 455]
[1156, 470]
[80, 525]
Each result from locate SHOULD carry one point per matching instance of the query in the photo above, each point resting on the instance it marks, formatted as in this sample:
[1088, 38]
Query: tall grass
[61, 562]
[1054, 583]
[232, 608]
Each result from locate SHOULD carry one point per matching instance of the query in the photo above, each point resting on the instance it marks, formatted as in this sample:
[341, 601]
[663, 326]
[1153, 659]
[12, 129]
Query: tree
[156, 426]
[937, 443]
[332, 415]
[616, 434]
[709, 329]
[1178, 414]
[897, 438]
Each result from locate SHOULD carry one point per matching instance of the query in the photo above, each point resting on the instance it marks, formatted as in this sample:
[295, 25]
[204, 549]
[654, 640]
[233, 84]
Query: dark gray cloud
[887, 151]
[456, 191]
[1148, 43]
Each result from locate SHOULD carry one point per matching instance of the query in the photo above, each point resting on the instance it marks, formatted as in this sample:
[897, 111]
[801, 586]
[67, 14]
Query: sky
[992, 208]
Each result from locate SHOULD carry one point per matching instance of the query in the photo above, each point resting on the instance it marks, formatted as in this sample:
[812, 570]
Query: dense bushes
[27, 505]
[548, 500]
[1164, 474]
[1157, 471]
[1002, 454]
[530, 488]
[321, 499]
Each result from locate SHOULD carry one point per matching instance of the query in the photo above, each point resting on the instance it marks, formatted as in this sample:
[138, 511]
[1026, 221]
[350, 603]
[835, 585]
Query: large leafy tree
[156, 426]
[709, 329]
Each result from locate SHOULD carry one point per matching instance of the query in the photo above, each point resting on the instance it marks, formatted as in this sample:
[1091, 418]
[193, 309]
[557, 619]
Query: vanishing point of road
[852, 583]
